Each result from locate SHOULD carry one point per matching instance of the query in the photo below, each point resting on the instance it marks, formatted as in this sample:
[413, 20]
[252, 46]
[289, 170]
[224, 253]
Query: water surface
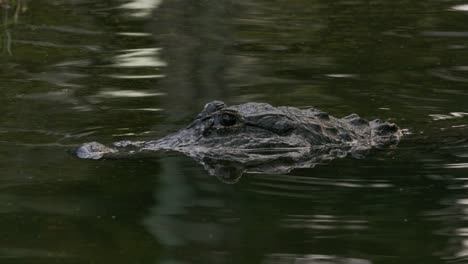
[79, 71]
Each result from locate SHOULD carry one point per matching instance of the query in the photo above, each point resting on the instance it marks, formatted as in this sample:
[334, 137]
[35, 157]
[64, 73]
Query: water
[79, 71]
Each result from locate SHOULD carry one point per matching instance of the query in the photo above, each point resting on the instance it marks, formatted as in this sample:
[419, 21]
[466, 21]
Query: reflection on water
[80, 71]
[323, 222]
[141, 8]
[127, 93]
[11, 11]
[456, 165]
[139, 58]
[298, 186]
[311, 259]
[452, 115]
[460, 8]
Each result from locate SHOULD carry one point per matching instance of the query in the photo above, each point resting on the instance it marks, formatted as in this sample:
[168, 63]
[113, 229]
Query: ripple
[343, 182]
[144, 57]
[276, 258]
[63, 96]
[66, 29]
[323, 222]
[140, 109]
[123, 76]
[134, 34]
[341, 75]
[127, 93]
[11, 253]
[449, 74]
[456, 166]
[305, 186]
[463, 7]
[64, 79]
[46, 138]
[452, 115]
[141, 8]
[55, 45]
[74, 63]
[445, 33]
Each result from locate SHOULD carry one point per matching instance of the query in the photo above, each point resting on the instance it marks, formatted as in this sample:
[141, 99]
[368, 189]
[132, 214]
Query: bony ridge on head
[211, 107]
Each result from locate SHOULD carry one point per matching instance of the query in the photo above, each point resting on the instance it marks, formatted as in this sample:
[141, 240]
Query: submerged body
[257, 133]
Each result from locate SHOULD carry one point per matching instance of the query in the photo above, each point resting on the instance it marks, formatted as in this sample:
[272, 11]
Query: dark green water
[79, 71]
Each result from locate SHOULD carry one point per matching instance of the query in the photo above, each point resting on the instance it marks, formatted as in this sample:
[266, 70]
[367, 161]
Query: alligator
[258, 137]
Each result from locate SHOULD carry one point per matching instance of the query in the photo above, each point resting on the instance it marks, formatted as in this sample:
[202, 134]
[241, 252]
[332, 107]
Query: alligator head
[260, 137]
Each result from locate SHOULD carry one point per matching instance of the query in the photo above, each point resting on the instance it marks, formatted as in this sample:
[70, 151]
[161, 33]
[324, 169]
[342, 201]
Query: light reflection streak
[452, 115]
[63, 96]
[304, 187]
[134, 34]
[461, 68]
[286, 182]
[456, 166]
[276, 258]
[124, 135]
[449, 75]
[323, 223]
[128, 93]
[463, 231]
[150, 76]
[341, 75]
[144, 57]
[141, 8]
[463, 7]
[459, 234]
[141, 109]
[37, 43]
[445, 33]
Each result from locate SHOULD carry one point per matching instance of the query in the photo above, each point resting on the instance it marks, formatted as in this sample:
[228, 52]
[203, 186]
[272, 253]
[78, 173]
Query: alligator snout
[93, 150]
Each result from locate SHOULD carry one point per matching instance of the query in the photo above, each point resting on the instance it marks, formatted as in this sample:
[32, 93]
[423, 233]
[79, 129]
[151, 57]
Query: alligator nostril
[93, 150]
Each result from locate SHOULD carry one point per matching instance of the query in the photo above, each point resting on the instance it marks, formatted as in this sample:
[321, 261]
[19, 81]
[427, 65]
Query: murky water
[79, 71]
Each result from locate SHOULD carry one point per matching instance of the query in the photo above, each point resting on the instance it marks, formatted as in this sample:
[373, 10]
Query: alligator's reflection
[258, 137]
[274, 161]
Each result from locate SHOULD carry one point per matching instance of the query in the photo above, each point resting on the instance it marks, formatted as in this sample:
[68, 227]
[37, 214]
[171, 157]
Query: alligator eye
[228, 120]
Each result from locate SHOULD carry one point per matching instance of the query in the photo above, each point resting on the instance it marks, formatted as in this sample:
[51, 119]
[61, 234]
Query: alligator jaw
[175, 141]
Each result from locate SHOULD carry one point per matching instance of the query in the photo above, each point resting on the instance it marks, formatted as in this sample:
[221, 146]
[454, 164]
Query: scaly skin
[257, 133]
